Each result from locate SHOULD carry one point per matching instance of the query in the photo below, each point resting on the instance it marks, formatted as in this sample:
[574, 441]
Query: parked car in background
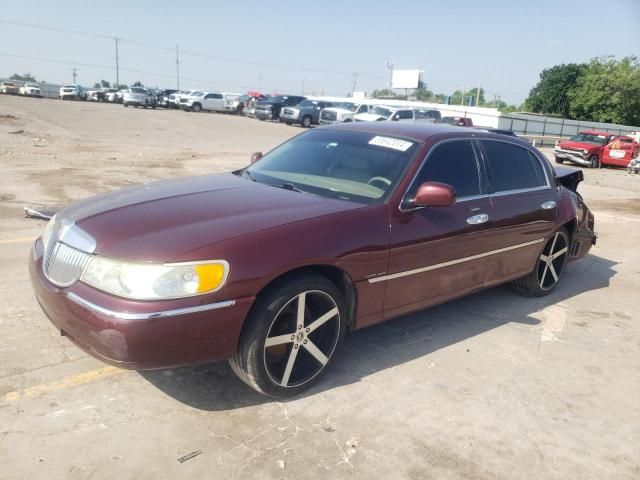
[457, 121]
[111, 95]
[178, 96]
[381, 113]
[269, 108]
[339, 228]
[249, 108]
[620, 152]
[96, 95]
[199, 101]
[162, 97]
[585, 148]
[306, 113]
[342, 112]
[9, 88]
[428, 115]
[30, 90]
[139, 97]
[72, 92]
[232, 102]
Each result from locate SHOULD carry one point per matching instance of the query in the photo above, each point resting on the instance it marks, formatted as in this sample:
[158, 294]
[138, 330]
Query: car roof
[595, 132]
[420, 132]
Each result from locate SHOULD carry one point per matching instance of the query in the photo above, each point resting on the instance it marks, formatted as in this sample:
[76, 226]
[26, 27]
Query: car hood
[369, 117]
[342, 111]
[580, 145]
[164, 220]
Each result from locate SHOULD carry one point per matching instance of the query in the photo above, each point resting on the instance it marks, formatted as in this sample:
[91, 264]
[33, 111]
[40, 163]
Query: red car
[337, 229]
[620, 152]
[585, 148]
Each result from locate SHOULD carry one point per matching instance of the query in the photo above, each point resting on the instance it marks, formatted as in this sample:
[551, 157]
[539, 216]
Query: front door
[437, 253]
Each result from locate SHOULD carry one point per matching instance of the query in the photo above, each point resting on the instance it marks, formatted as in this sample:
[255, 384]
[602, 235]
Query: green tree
[137, 83]
[551, 93]
[105, 84]
[609, 91]
[25, 77]
[96, 85]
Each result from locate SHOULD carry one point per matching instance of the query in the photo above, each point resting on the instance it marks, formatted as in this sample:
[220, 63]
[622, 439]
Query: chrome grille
[62, 264]
[329, 116]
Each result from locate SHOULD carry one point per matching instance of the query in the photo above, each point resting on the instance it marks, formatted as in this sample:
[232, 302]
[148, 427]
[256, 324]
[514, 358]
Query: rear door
[437, 253]
[524, 207]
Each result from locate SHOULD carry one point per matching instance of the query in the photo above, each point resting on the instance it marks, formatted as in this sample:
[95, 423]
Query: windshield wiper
[250, 175]
[288, 186]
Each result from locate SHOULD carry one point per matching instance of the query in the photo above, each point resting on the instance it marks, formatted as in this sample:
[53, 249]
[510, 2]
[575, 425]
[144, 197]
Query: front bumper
[290, 118]
[139, 335]
[263, 114]
[572, 156]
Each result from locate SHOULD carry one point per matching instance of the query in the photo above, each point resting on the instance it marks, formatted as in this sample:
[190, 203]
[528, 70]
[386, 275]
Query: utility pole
[177, 67]
[390, 67]
[117, 85]
[478, 97]
[355, 83]
[75, 74]
[464, 89]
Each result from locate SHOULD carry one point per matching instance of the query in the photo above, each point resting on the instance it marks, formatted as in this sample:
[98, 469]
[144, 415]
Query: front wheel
[559, 160]
[594, 161]
[306, 122]
[196, 107]
[549, 267]
[291, 335]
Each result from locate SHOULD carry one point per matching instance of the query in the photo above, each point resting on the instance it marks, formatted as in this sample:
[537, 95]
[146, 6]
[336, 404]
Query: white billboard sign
[406, 78]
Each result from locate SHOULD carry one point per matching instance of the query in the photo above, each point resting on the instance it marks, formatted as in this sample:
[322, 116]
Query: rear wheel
[559, 160]
[291, 335]
[549, 267]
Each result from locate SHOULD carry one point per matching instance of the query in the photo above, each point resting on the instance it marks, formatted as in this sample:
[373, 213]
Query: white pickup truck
[342, 112]
[207, 101]
[30, 90]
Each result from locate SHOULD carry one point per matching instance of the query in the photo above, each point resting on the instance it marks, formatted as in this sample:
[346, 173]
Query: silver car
[139, 97]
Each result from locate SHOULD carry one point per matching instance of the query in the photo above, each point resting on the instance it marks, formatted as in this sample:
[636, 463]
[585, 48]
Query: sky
[316, 47]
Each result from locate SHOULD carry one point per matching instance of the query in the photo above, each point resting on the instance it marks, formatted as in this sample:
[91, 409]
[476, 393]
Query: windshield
[197, 94]
[589, 138]
[380, 111]
[347, 106]
[308, 103]
[138, 90]
[355, 166]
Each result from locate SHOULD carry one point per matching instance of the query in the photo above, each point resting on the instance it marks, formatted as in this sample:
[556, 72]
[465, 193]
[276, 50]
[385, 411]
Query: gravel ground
[490, 386]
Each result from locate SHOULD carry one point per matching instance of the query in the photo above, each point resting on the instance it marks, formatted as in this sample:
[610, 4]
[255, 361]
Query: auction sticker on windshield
[390, 142]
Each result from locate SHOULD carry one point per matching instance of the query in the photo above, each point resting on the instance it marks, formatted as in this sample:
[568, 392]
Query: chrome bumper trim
[149, 315]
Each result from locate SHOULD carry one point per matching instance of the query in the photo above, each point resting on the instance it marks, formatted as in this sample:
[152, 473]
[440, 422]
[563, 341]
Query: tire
[539, 282]
[306, 121]
[301, 348]
[289, 123]
[559, 160]
[125, 105]
[594, 161]
[196, 107]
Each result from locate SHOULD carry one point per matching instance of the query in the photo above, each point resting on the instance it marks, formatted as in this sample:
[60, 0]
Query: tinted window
[404, 115]
[453, 163]
[512, 167]
[217, 95]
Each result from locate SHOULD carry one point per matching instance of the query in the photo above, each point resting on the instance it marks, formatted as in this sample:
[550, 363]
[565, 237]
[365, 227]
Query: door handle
[477, 219]
[550, 205]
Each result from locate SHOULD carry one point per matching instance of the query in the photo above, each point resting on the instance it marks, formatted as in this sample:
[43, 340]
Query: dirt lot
[490, 386]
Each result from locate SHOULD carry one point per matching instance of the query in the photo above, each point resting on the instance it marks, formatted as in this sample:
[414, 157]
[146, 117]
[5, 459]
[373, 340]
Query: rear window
[512, 167]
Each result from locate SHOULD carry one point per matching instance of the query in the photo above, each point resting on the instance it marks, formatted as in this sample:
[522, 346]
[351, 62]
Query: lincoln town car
[339, 228]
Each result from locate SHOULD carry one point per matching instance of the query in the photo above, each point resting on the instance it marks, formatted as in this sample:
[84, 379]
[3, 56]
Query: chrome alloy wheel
[552, 260]
[302, 338]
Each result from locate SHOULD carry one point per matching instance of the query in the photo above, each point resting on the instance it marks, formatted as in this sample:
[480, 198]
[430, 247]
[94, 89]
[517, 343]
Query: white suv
[208, 101]
[72, 92]
[342, 112]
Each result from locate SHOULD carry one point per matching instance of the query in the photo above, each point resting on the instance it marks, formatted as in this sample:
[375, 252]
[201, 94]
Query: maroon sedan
[339, 228]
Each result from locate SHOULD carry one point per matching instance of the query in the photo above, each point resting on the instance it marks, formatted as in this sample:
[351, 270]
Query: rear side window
[453, 163]
[403, 115]
[512, 167]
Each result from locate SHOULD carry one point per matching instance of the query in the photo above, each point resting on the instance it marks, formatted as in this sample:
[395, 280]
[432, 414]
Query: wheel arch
[336, 275]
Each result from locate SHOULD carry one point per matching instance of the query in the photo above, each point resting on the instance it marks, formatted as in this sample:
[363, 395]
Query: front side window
[512, 167]
[404, 115]
[355, 166]
[453, 163]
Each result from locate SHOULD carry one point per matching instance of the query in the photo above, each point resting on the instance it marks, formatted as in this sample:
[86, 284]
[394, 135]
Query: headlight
[585, 151]
[149, 281]
[47, 230]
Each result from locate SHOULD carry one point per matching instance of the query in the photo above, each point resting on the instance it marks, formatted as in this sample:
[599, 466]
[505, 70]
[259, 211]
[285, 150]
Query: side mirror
[256, 156]
[395, 118]
[433, 194]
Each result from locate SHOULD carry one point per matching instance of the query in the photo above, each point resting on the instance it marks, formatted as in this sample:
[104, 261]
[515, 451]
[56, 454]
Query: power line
[184, 52]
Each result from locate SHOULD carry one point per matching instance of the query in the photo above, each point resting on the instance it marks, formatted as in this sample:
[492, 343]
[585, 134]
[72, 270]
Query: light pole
[390, 67]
